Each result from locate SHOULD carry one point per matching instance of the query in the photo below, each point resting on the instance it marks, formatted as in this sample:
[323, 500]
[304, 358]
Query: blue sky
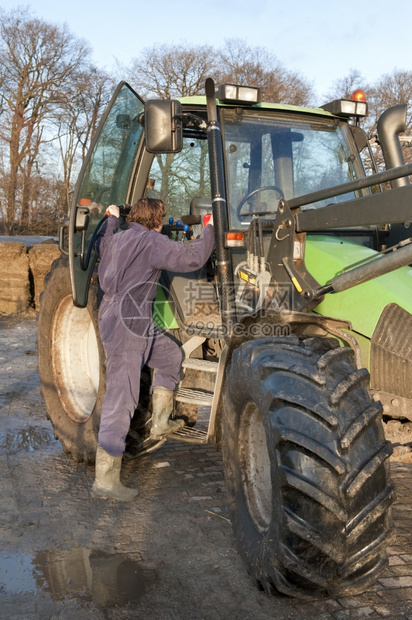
[322, 40]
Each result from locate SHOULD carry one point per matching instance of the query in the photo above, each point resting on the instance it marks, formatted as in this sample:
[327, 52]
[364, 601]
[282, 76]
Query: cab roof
[199, 100]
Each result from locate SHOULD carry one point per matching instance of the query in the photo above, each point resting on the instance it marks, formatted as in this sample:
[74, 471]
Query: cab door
[105, 179]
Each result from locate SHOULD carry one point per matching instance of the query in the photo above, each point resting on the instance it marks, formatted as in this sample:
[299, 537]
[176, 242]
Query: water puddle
[80, 573]
[16, 573]
[25, 440]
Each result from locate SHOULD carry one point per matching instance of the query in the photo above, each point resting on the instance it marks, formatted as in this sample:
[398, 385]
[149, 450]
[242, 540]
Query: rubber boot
[107, 483]
[162, 407]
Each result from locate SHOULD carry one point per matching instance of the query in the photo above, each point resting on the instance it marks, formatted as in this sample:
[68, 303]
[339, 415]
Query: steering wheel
[256, 191]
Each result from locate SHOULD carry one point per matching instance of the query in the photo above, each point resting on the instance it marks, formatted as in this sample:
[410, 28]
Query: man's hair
[148, 212]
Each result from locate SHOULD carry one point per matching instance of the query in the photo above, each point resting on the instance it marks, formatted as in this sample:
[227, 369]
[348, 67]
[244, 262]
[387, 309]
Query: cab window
[273, 156]
[178, 178]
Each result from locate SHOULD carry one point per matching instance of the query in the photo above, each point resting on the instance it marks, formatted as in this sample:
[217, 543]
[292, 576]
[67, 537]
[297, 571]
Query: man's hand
[113, 210]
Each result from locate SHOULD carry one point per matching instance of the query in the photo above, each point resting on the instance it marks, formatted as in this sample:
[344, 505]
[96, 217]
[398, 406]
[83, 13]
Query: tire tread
[331, 527]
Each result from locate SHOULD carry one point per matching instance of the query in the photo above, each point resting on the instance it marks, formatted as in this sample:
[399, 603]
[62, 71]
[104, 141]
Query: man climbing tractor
[130, 267]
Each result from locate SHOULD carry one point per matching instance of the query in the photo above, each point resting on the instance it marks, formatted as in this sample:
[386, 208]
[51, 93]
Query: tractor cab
[271, 152]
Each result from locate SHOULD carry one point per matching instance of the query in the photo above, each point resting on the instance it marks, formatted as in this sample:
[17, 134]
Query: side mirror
[163, 126]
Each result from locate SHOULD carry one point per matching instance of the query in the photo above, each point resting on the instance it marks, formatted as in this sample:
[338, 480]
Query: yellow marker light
[358, 95]
[234, 240]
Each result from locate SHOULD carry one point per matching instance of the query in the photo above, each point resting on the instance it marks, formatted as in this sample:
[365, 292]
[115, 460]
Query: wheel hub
[75, 359]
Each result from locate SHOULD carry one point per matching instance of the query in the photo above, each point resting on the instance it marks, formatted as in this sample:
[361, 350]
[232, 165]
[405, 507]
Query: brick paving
[169, 555]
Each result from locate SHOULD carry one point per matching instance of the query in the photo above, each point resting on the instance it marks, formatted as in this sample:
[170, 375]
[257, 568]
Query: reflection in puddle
[102, 578]
[16, 573]
[24, 440]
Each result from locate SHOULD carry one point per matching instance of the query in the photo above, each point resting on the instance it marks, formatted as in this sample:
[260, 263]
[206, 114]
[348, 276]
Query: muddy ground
[169, 555]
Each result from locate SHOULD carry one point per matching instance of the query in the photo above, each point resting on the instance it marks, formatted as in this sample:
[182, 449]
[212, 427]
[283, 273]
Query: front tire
[306, 467]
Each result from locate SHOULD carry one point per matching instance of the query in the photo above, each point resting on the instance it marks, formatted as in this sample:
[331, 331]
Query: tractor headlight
[355, 106]
[233, 93]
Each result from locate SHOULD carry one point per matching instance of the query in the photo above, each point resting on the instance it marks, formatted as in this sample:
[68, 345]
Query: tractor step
[198, 364]
[190, 435]
[194, 397]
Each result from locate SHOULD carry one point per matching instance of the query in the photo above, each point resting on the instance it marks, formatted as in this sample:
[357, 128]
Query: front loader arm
[393, 205]
[291, 279]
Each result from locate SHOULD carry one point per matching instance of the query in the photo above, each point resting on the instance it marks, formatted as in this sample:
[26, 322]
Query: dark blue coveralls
[130, 266]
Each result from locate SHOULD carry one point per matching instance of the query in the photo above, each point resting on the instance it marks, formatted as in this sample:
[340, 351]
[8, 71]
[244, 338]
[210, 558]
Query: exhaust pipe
[390, 124]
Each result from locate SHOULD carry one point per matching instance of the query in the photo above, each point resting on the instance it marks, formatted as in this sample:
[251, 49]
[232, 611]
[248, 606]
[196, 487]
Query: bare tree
[389, 90]
[344, 87]
[167, 71]
[38, 61]
[255, 66]
[76, 123]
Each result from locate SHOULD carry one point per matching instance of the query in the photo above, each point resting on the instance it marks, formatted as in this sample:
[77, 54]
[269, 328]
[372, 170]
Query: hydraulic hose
[85, 262]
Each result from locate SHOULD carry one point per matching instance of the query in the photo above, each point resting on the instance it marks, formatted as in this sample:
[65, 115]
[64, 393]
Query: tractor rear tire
[71, 364]
[306, 467]
[73, 373]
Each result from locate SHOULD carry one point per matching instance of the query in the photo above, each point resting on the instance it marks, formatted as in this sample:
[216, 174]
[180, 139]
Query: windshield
[269, 157]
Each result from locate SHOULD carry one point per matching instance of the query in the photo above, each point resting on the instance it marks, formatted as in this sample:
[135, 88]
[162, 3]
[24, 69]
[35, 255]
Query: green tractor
[296, 330]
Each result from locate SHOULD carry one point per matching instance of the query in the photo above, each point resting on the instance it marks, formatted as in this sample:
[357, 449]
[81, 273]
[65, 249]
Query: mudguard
[361, 305]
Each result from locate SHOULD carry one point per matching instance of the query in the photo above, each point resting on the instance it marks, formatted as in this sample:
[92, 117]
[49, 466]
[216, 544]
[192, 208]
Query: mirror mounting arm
[189, 119]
